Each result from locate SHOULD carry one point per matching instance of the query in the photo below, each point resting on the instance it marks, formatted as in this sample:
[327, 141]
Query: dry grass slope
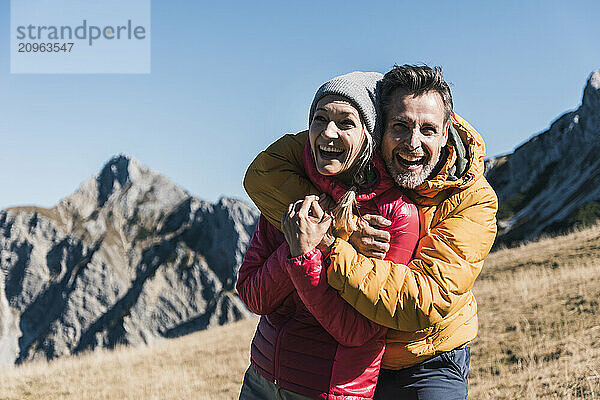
[539, 338]
[205, 365]
[539, 333]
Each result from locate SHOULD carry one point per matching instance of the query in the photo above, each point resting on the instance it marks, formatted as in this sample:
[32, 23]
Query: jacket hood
[450, 175]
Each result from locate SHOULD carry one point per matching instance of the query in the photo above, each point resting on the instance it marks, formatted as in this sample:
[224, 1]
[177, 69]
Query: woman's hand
[305, 225]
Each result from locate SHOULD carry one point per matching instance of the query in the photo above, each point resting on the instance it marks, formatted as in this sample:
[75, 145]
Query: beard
[408, 179]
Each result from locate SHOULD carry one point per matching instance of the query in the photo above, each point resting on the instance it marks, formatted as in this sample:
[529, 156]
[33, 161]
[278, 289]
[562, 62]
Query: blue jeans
[443, 377]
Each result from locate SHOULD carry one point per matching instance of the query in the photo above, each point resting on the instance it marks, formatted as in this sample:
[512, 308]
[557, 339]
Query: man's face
[414, 136]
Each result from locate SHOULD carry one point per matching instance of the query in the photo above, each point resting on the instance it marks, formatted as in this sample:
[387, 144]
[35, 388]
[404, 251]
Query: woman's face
[336, 135]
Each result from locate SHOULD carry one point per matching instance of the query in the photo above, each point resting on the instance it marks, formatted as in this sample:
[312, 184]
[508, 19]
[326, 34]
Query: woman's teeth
[330, 151]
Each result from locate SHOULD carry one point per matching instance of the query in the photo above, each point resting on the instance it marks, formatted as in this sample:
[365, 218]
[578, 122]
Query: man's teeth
[411, 159]
[330, 149]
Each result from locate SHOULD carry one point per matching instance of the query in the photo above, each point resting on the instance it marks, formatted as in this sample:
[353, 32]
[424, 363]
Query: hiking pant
[257, 387]
[443, 377]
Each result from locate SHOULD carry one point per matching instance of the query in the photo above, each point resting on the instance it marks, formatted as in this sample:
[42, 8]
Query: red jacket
[308, 339]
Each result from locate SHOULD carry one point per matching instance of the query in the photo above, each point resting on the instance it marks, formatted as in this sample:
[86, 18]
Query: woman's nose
[330, 131]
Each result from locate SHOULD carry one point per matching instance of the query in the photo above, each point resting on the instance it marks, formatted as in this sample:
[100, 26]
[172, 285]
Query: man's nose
[413, 141]
[330, 131]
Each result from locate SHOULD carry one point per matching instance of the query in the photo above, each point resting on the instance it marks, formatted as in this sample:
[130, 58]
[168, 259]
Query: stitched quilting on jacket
[309, 340]
[427, 302]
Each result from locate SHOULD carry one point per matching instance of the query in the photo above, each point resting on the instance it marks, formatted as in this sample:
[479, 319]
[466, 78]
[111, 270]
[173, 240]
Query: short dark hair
[416, 80]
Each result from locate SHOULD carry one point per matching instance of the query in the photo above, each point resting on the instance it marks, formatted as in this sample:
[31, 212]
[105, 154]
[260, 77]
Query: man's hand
[305, 225]
[369, 239]
[326, 243]
[326, 202]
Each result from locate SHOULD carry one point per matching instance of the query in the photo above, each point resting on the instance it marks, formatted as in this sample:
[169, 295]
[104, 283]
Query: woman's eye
[347, 123]
[400, 127]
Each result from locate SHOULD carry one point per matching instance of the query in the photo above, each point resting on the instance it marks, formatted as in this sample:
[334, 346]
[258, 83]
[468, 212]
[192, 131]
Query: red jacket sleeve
[263, 283]
[343, 322]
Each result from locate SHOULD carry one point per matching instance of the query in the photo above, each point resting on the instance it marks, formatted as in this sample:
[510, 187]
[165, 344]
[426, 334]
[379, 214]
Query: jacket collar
[336, 189]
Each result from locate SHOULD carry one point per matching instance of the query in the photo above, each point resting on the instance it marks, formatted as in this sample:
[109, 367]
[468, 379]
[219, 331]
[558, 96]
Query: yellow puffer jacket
[428, 304]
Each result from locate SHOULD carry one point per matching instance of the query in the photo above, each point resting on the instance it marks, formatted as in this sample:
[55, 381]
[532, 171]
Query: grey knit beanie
[360, 88]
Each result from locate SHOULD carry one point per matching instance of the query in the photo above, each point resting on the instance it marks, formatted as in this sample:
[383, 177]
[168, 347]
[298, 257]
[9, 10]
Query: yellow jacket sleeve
[439, 278]
[276, 177]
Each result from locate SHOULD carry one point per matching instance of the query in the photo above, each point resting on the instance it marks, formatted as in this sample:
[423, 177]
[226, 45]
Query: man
[428, 304]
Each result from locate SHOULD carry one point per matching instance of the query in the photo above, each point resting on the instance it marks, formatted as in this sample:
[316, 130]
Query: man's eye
[428, 131]
[320, 118]
[400, 127]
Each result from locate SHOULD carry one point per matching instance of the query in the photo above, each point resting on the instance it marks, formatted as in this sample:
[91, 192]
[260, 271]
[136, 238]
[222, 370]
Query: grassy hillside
[539, 331]
[205, 365]
[539, 338]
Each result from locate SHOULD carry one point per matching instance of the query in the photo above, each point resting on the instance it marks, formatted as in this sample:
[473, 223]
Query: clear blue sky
[230, 77]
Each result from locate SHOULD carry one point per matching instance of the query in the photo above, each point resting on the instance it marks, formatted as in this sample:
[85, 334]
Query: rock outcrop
[129, 257]
[552, 182]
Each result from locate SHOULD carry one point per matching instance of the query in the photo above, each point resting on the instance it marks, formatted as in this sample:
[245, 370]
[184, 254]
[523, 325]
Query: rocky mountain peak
[591, 93]
[594, 80]
[552, 182]
[122, 172]
[127, 184]
[115, 172]
[128, 258]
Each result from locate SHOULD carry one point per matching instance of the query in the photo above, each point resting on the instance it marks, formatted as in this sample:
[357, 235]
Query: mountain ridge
[128, 257]
[549, 184]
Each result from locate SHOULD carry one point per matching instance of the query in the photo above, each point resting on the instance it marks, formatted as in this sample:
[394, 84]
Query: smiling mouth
[330, 152]
[411, 162]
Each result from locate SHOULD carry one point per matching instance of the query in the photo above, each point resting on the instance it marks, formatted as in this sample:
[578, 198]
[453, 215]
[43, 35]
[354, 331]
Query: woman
[309, 343]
